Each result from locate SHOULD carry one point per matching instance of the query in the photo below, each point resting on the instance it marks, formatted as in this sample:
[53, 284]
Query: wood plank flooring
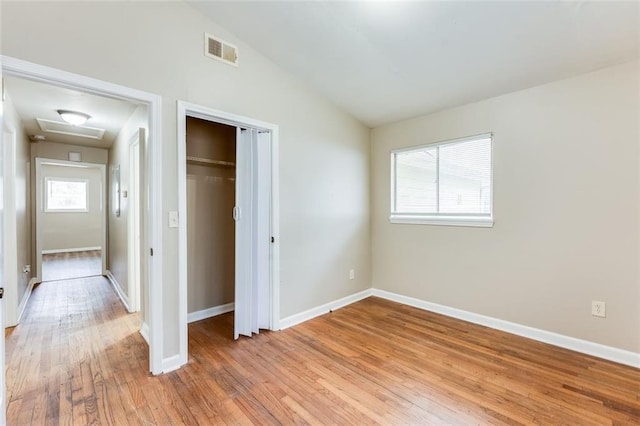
[64, 266]
[78, 359]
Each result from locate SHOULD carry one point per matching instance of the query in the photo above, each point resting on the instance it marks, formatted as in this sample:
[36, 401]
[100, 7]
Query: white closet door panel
[244, 261]
[254, 227]
[263, 230]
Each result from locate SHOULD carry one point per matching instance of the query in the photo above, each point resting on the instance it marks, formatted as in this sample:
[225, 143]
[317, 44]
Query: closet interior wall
[211, 186]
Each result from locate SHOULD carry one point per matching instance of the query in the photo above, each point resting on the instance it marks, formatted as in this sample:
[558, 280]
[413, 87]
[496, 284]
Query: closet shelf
[207, 162]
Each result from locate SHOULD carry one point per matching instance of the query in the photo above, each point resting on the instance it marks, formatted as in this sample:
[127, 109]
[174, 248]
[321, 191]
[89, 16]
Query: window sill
[481, 222]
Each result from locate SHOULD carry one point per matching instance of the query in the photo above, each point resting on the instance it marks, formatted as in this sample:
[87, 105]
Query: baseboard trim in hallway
[25, 298]
[71, 250]
[119, 291]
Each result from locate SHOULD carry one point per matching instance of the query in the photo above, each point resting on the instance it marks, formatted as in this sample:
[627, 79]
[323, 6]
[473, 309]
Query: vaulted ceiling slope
[385, 61]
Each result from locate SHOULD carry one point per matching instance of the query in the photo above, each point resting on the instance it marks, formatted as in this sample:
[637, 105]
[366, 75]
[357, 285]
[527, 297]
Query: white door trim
[133, 222]
[10, 278]
[3, 239]
[153, 163]
[40, 208]
[192, 110]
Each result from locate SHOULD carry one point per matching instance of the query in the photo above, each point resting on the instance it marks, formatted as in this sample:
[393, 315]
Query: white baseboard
[210, 312]
[23, 303]
[583, 346]
[144, 332]
[116, 286]
[323, 309]
[171, 364]
[70, 250]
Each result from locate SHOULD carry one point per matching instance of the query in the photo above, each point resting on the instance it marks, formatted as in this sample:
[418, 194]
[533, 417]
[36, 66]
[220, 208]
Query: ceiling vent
[221, 50]
[67, 129]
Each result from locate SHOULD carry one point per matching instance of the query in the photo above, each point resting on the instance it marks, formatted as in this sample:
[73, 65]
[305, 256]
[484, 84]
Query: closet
[211, 197]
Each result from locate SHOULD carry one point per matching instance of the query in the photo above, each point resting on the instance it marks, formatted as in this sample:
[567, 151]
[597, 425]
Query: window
[446, 183]
[66, 195]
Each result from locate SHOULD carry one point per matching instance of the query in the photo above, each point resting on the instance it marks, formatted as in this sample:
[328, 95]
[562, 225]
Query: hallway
[72, 356]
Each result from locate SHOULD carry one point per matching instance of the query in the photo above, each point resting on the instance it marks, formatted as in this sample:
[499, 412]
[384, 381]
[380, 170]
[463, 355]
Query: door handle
[1, 292]
[236, 213]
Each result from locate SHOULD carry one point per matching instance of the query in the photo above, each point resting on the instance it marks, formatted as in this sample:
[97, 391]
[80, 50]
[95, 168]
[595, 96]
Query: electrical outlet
[26, 269]
[598, 309]
[352, 274]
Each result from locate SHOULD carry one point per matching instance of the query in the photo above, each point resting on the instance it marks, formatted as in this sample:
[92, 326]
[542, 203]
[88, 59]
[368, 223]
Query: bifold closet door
[253, 232]
[262, 231]
[243, 221]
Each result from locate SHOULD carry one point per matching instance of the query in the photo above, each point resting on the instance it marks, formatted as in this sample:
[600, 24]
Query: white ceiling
[384, 61]
[37, 100]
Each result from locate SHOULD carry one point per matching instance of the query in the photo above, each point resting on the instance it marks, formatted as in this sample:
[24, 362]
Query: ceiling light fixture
[74, 118]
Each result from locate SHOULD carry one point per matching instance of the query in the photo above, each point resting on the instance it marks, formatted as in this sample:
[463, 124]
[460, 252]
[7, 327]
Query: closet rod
[208, 162]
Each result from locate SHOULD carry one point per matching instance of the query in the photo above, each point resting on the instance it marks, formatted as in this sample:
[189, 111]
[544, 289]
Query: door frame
[153, 168]
[39, 206]
[9, 242]
[3, 239]
[187, 109]
[133, 222]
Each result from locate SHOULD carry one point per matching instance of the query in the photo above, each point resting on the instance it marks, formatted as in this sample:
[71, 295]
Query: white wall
[60, 151]
[566, 194]
[73, 230]
[117, 259]
[324, 154]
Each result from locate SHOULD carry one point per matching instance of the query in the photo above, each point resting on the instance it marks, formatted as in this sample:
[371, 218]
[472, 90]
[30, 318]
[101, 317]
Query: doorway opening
[150, 172]
[71, 221]
[211, 194]
[228, 221]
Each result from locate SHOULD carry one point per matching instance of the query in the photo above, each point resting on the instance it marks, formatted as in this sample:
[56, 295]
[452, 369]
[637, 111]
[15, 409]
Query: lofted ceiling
[385, 61]
[34, 100]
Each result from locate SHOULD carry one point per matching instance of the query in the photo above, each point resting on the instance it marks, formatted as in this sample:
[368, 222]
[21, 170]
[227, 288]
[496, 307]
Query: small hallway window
[66, 195]
[445, 183]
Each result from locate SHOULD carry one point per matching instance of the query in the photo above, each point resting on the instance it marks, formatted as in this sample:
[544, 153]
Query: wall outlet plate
[352, 274]
[598, 309]
[173, 219]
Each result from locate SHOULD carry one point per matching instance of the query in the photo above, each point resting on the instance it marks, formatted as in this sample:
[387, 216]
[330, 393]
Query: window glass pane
[465, 177]
[416, 181]
[66, 195]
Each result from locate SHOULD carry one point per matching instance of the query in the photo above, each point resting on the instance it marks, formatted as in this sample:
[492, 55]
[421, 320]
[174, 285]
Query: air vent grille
[221, 50]
[215, 47]
[67, 129]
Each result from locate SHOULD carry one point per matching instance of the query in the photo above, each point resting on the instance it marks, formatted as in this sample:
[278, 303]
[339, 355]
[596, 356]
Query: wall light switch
[173, 219]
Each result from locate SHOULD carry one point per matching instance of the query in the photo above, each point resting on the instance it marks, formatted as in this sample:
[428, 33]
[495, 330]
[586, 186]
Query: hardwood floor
[78, 359]
[64, 266]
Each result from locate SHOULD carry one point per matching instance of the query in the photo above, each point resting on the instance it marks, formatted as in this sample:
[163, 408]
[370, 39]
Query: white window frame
[65, 179]
[450, 219]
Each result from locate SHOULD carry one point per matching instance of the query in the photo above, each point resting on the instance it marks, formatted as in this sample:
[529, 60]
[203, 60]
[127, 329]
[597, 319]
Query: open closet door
[244, 294]
[253, 232]
[262, 231]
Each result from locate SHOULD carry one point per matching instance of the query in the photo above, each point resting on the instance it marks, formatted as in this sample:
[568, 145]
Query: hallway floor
[64, 266]
[72, 356]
